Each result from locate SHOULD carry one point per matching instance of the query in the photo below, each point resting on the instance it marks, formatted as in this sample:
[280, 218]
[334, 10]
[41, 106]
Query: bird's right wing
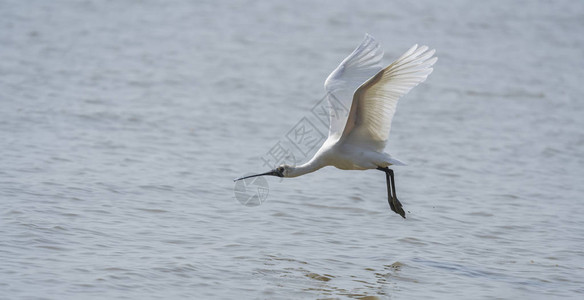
[374, 103]
[360, 65]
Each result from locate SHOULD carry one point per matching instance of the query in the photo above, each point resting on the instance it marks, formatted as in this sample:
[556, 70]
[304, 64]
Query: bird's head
[281, 171]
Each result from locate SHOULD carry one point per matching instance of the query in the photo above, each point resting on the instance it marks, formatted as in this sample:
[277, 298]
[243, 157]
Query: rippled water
[122, 125]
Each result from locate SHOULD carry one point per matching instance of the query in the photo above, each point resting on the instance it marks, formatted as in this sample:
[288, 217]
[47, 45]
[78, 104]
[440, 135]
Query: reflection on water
[123, 125]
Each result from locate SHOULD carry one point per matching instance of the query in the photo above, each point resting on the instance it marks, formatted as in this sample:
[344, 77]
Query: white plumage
[373, 101]
[363, 98]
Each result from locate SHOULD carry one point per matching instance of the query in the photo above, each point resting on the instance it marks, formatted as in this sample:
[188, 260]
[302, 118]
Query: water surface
[122, 125]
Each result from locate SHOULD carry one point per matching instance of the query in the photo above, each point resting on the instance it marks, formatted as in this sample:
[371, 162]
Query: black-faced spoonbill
[356, 141]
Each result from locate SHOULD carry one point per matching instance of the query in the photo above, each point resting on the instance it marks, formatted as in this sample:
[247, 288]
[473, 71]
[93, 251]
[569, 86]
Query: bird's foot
[396, 206]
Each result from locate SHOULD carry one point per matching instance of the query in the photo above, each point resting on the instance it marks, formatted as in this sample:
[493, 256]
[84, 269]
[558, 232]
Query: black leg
[394, 204]
[389, 195]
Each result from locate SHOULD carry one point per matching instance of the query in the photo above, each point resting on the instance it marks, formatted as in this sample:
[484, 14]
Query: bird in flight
[357, 139]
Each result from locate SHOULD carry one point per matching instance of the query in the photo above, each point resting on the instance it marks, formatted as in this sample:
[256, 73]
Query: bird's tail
[394, 161]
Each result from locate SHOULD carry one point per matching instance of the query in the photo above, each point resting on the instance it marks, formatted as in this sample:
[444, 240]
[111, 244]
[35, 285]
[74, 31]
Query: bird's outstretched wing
[375, 101]
[342, 83]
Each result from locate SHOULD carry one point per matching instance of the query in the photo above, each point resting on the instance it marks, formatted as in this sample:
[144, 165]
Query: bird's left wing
[362, 64]
[374, 102]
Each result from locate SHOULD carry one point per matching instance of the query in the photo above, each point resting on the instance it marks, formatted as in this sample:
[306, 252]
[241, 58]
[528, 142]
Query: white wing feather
[360, 65]
[375, 102]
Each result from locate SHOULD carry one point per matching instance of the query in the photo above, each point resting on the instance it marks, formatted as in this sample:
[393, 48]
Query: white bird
[356, 140]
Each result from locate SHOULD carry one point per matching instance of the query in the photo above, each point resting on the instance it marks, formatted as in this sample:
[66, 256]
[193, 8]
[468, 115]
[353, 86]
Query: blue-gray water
[123, 123]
